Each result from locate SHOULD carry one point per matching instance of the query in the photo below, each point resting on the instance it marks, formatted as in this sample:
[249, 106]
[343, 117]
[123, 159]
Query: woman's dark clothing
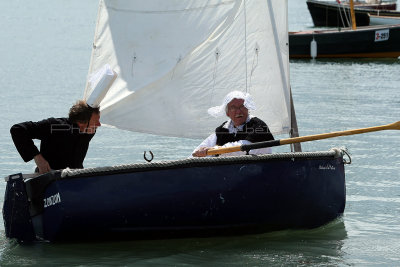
[255, 130]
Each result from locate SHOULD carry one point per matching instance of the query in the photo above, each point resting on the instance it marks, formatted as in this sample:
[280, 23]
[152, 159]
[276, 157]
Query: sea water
[45, 53]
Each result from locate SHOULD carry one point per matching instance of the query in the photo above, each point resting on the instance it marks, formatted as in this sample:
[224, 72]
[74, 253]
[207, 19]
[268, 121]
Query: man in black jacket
[64, 141]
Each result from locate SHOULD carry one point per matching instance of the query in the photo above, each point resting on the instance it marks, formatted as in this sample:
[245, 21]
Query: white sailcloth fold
[99, 82]
[177, 58]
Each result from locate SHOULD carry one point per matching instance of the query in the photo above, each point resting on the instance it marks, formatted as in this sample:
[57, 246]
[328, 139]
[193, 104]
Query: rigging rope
[346, 15]
[245, 38]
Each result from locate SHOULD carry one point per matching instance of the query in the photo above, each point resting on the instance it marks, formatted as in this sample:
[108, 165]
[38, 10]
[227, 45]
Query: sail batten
[177, 58]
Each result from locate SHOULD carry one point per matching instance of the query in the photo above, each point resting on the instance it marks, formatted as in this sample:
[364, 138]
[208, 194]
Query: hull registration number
[52, 200]
[382, 35]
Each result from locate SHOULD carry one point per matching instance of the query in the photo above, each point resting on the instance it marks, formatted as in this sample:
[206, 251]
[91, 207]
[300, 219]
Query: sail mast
[294, 130]
[353, 15]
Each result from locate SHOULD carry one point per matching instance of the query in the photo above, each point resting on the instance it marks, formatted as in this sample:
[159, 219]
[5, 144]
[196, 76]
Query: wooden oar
[215, 151]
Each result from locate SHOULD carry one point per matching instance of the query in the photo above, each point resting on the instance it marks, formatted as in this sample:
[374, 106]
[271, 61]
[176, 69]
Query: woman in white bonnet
[241, 128]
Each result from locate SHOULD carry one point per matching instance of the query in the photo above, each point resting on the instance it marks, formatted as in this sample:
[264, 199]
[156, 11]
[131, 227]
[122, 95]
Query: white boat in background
[383, 20]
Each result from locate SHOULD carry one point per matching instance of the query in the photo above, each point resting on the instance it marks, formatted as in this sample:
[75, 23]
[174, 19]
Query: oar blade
[394, 126]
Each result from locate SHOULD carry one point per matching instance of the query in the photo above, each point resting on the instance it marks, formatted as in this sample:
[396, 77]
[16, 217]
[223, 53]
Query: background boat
[381, 41]
[371, 4]
[332, 14]
[383, 20]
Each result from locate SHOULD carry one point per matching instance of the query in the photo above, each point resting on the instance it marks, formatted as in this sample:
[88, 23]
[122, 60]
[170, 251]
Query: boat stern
[16, 216]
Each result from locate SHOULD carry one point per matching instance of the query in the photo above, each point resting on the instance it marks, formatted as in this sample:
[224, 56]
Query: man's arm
[24, 133]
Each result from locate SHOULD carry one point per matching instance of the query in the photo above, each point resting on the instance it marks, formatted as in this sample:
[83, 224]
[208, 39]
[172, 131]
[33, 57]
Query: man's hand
[42, 164]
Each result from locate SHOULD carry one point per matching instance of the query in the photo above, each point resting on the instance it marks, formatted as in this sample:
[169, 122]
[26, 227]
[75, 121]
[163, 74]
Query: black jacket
[62, 145]
[255, 130]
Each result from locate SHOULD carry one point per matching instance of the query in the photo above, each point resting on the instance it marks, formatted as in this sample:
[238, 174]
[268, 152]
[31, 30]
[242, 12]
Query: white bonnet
[219, 111]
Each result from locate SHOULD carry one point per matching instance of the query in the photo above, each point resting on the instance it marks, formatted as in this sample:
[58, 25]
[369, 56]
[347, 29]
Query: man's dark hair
[81, 112]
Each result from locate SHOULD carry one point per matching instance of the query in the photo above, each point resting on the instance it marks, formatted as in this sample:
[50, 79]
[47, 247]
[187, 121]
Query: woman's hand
[201, 152]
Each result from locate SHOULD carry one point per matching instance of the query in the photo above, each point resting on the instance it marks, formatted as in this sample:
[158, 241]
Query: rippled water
[45, 54]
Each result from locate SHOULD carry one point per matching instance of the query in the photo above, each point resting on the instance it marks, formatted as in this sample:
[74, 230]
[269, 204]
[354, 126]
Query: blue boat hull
[189, 198]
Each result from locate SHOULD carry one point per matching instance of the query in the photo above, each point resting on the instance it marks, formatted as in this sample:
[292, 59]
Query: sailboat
[337, 13]
[173, 59]
[380, 41]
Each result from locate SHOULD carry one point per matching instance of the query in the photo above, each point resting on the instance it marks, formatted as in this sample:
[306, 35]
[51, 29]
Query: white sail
[177, 58]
